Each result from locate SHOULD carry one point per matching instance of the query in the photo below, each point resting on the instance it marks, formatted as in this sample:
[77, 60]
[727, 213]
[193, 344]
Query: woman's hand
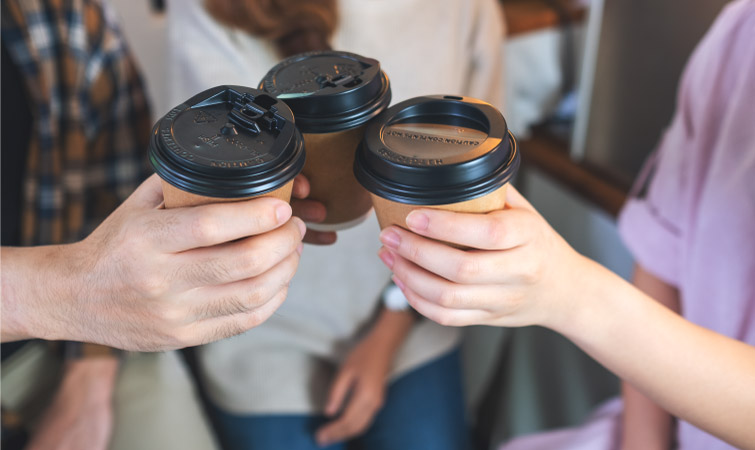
[358, 390]
[518, 270]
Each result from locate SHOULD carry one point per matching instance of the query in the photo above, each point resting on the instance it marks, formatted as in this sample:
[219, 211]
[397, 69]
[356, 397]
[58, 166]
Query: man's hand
[358, 391]
[154, 279]
[310, 211]
[81, 415]
[519, 271]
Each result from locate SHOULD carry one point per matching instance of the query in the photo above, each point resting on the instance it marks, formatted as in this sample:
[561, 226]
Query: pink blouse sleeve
[656, 221]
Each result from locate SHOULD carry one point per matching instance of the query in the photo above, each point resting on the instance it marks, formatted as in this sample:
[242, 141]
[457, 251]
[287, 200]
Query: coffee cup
[443, 152]
[228, 143]
[333, 96]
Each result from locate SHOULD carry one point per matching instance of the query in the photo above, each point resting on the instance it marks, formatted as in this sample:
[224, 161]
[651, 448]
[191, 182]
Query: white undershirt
[426, 47]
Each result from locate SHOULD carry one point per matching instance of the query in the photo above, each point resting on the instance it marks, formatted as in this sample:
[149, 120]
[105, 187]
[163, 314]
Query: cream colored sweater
[426, 47]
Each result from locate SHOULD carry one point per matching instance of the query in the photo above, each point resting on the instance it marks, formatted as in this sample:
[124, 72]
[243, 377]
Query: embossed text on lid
[436, 150]
[229, 141]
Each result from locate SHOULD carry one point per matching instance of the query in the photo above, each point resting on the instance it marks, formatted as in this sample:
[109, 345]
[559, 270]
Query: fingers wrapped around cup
[441, 152]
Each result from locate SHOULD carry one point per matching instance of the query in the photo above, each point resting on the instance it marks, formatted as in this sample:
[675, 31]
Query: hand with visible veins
[151, 279]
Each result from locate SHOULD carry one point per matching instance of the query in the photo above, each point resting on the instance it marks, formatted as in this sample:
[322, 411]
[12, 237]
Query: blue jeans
[423, 409]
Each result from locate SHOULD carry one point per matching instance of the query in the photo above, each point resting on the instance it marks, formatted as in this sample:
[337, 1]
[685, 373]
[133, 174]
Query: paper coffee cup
[442, 152]
[392, 213]
[176, 198]
[228, 143]
[332, 95]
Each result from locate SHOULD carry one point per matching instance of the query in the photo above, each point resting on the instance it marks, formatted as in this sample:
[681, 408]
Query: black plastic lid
[436, 150]
[228, 142]
[329, 91]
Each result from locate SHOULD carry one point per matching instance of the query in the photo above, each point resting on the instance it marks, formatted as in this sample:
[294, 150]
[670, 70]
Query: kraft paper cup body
[329, 169]
[176, 198]
[393, 213]
[333, 95]
[228, 143]
[441, 152]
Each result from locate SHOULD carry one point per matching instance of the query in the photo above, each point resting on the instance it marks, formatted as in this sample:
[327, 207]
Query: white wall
[147, 35]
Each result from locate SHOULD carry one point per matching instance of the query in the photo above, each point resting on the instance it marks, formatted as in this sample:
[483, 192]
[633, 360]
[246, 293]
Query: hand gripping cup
[225, 144]
[444, 152]
[333, 95]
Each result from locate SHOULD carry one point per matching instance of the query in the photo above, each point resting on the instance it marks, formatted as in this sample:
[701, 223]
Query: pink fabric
[695, 225]
[692, 219]
[600, 431]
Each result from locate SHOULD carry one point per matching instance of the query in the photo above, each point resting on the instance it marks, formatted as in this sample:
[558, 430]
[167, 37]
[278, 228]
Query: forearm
[96, 375]
[35, 290]
[391, 329]
[646, 425]
[80, 415]
[694, 373]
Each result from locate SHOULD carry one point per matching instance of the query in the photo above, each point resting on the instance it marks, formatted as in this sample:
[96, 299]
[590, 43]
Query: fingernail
[417, 221]
[390, 239]
[302, 226]
[299, 248]
[282, 213]
[398, 282]
[387, 258]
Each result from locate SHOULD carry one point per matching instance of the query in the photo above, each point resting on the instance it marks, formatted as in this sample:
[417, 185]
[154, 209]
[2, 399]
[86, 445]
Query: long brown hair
[294, 26]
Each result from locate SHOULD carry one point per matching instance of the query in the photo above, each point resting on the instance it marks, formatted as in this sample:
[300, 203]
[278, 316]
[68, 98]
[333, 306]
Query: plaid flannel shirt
[91, 120]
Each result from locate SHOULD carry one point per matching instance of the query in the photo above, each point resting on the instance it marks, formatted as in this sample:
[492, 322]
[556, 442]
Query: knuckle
[183, 337]
[203, 228]
[444, 318]
[531, 272]
[414, 252]
[256, 316]
[448, 297]
[251, 263]
[494, 231]
[231, 305]
[151, 285]
[152, 228]
[260, 219]
[205, 272]
[262, 216]
[293, 265]
[170, 316]
[510, 304]
[226, 330]
[467, 269]
[254, 298]
[132, 236]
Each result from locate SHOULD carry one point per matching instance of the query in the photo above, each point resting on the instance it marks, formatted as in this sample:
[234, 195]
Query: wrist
[96, 374]
[37, 294]
[583, 308]
[15, 325]
[390, 329]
